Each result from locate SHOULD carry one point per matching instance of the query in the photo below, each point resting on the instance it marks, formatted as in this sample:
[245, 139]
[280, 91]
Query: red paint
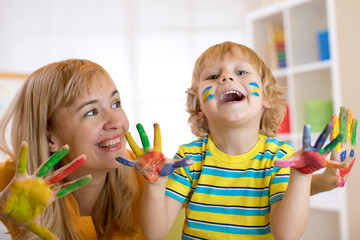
[64, 173]
[151, 164]
[343, 172]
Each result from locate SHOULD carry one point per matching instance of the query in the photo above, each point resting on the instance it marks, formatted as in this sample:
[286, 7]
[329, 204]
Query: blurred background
[149, 48]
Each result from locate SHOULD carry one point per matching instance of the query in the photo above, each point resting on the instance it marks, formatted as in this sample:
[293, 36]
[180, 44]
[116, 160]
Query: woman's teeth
[109, 143]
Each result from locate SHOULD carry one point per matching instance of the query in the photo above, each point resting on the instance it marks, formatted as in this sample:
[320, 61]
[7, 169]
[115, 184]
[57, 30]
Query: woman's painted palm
[27, 196]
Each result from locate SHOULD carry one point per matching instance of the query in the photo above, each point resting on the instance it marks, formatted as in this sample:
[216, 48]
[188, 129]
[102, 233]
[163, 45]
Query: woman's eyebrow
[86, 103]
[95, 101]
[114, 93]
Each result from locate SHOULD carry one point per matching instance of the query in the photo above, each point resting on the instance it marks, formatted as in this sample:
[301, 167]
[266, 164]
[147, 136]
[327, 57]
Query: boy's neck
[235, 141]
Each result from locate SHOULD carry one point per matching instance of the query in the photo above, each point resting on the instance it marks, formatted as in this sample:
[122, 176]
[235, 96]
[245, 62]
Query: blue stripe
[180, 179]
[236, 173]
[228, 228]
[231, 210]
[175, 195]
[232, 191]
[197, 143]
[280, 178]
[276, 197]
[278, 142]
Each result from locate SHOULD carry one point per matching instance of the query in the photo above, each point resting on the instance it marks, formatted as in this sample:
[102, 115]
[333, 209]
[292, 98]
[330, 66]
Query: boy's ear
[53, 145]
[267, 103]
[200, 114]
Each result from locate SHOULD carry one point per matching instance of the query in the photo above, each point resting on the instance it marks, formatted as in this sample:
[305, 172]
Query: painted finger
[169, 168]
[144, 138]
[336, 164]
[157, 137]
[52, 161]
[323, 136]
[349, 118]
[133, 145]
[23, 155]
[72, 186]
[63, 172]
[353, 132]
[335, 131]
[284, 163]
[306, 138]
[41, 231]
[328, 148]
[342, 123]
[126, 162]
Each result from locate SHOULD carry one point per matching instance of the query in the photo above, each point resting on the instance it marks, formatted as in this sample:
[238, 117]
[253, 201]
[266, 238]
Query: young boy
[232, 190]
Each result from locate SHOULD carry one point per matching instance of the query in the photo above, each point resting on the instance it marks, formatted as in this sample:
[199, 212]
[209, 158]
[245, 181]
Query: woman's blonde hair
[27, 119]
[272, 92]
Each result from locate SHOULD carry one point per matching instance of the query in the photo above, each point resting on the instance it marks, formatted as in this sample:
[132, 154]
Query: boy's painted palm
[27, 196]
[345, 151]
[151, 164]
[312, 158]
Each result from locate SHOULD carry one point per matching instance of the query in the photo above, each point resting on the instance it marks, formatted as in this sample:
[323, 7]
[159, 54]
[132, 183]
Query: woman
[75, 102]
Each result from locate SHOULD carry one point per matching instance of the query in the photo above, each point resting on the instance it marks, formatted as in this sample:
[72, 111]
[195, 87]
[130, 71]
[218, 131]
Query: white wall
[148, 46]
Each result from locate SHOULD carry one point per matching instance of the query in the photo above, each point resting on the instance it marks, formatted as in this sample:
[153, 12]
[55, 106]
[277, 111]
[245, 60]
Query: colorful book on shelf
[280, 47]
[276, 46]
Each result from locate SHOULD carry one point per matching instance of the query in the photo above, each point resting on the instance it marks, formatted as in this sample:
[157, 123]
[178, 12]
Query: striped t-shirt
[227, 196]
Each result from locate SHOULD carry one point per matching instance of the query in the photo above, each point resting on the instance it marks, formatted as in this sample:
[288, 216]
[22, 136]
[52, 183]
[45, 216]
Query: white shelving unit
[307, 78]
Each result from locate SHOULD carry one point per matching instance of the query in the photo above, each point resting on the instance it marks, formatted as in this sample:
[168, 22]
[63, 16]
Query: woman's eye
[212, 77]
[116, 104]
[92, 112]
[240, 72]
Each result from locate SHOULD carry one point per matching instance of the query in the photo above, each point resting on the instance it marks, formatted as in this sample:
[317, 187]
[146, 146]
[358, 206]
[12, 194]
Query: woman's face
[94, 125]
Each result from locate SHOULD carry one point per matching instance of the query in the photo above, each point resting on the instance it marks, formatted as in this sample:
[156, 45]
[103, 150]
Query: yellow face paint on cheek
[255, 90]
[28, 199]
[207, 94]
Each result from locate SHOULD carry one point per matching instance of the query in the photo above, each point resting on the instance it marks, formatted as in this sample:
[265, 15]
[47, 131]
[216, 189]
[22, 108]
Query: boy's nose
[226, 77]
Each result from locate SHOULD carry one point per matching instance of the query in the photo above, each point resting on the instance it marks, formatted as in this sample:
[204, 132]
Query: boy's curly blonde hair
[272, 92]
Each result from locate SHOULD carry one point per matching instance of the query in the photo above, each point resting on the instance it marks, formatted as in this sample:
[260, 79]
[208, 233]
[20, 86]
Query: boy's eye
[116, 104]
[240, 72]
[212, 77]
[92, 112]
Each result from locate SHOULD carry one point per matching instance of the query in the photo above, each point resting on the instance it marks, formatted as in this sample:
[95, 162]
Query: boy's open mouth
[231, 96]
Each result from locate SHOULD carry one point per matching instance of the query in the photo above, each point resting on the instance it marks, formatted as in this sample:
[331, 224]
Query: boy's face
[230, 92]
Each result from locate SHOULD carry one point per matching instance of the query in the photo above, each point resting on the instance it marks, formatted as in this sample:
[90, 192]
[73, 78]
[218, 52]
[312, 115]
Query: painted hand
[152, 164]
[345, 151]
[26, 197]
[312, 158]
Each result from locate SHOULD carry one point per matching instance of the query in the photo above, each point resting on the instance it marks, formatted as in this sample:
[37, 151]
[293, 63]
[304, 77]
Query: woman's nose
[112, 120]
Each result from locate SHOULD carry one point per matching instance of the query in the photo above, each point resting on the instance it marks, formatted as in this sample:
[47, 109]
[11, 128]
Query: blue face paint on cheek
[255, 91]
[207, 94]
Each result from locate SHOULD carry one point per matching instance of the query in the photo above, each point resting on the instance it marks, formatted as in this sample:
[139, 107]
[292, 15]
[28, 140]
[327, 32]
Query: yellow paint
[133, 145]
[28, 199]
[41, 231]
[335, 132]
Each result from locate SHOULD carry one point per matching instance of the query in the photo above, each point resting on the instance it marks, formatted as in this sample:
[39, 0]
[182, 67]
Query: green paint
[333, 143]
[73, 186]
[353, 137]
[53, 160]
[342, 120]
[23, 155]
[144, 137]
